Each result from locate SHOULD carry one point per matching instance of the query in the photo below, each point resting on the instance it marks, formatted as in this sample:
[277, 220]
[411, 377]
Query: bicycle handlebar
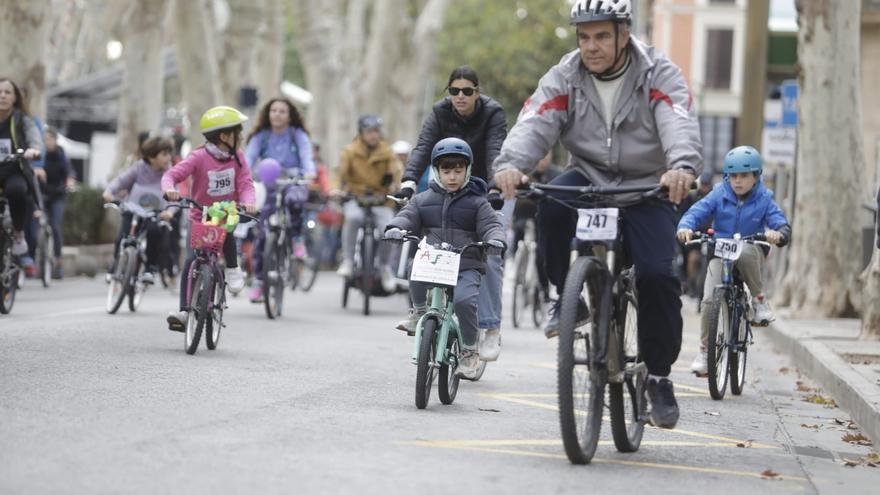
[191, 203]
[444, 246]
[13, 157]
[701, 237]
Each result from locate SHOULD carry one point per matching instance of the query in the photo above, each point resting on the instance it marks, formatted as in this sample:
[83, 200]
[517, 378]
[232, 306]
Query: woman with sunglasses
[467, 114]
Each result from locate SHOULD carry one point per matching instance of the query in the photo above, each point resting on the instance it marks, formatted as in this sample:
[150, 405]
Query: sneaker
[700, 366]
[344, 269]
[551, 328]
[409, 325]
[234, 280]
[177, 321]
[664, 408]
[490, 347]
[763, 314]
[468, 363]
[57, 272]
[147, 278]
[19, 245]
[389, 284]
[256, 292]
[299, 249]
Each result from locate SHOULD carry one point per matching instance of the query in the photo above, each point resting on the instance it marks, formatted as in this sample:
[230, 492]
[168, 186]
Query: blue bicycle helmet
[743, 159]
[451, 147]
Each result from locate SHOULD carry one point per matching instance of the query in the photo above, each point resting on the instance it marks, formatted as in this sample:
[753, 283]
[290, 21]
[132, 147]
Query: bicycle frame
[442, 309]
[206, 258]
[736, 298]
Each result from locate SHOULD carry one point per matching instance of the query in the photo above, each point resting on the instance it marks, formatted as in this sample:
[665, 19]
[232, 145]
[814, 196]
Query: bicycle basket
[207, 237]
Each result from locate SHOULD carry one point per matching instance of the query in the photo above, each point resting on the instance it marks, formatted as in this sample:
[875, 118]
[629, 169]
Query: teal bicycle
[438, 339]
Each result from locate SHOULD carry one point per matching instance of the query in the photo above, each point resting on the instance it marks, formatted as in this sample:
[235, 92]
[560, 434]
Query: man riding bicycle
[623, 111]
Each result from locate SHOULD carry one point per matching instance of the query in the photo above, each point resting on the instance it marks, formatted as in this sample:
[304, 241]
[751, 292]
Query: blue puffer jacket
[732, 216]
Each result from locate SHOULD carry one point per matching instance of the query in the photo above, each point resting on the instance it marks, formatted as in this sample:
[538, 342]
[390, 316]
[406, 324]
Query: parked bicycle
[127, 278]
[11, 272]
[604, 352]
[205, 298]
[528, 295]
[727, 316]
[366, 276]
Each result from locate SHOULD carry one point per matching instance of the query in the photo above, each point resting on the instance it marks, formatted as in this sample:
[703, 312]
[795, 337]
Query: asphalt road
[321, 401]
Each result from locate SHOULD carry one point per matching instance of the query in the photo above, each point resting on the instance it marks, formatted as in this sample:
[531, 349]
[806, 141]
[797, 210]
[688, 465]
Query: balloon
[268, 171]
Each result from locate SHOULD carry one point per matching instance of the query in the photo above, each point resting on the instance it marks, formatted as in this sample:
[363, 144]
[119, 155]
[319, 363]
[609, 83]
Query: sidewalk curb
[853, 392]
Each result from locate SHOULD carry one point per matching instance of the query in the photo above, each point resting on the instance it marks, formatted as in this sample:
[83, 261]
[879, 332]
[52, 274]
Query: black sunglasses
[467, 91]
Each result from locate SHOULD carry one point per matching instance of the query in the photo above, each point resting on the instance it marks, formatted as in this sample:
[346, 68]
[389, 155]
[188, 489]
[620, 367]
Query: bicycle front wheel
[425, 369]
[119, 280]
[214, 322]
[202, 284]
[738, 357]
[520, 297]
[716, 320]
[273, 284]
[447, 385]
[8, 286]
[368, 271]
[581, 386]
[44, 255]
[627, 399]
[136, 288]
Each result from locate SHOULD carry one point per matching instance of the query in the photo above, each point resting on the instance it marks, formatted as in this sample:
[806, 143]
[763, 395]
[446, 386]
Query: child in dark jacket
[453, 210]
[739, 205]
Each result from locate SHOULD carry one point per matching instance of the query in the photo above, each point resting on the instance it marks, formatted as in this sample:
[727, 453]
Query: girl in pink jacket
[219, 172]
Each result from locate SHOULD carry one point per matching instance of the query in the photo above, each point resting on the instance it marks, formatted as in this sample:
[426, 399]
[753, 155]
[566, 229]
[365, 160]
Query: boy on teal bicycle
[739, 205]
[453, 210]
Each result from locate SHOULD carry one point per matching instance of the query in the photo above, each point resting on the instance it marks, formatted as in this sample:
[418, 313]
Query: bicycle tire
[367, 271]
[447, 383]
[136, 288]
[738, 359]
[8, 287]
[345, 288]
[213, 324]
[715, 318]
[272, 300]
[539, 313]
[44, 259]
[310, 265]
[198, 314]
[627, 400]
[580, 441]
[424, 369]
[118, 287]
[519, 302]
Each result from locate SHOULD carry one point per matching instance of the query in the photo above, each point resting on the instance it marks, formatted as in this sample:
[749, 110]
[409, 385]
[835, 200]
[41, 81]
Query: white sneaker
[389, 284]
[19, 246]
[234, 280]
[468, 363]
[344, 269]
[409, 325]
[700, 366]
[177, 321]
[763, 314]
[490, 347]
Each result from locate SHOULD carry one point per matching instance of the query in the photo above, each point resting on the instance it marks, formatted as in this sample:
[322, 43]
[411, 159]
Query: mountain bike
[205, 298]
[438, 336]
[604, 352]
[278, 267]
[366, 276]
[11, 272]
[527, 291]
[726, 318]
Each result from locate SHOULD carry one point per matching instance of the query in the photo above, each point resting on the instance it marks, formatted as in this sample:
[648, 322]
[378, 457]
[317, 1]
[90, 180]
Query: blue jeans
[464, 300]
[489, 299]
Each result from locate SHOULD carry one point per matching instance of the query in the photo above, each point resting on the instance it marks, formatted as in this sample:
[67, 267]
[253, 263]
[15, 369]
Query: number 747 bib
[597, 224]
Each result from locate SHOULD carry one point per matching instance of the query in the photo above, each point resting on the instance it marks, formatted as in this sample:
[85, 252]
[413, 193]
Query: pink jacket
[213, 180]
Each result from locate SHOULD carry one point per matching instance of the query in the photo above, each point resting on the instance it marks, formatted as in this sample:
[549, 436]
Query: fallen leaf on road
[803, 387]
[745, 445]
[872, 459]
[784, 370]
[812, 427]
[857, 439]
[818, 399]
[712, 413]
[841, 422]
[850, 462]
[769, 474]
[489, 410]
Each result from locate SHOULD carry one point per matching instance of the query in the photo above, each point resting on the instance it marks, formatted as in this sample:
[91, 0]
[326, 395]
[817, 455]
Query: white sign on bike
[597, 224]
[435, 266]
[728, 249]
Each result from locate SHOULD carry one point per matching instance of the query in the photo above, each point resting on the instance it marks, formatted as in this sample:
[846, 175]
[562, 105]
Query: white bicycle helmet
[601, 10]
[401, 147]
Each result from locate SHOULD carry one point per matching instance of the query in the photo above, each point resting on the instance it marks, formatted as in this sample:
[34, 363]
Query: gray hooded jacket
[654, 127]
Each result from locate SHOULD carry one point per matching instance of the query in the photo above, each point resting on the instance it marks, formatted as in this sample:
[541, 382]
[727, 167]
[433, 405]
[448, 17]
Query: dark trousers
[16, 191]
[230, 253]
[649, 241]
[155, 240]
[55, 209]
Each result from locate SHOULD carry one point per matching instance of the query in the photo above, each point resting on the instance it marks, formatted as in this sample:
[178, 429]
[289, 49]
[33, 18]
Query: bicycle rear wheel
[273, 283]
[214, 322]
[581, 385]
[119, 281]
[738, 357]
[447, 385]
[627, 400]
[367, 271]
[8, 287]
[202, 284]
[520, 297]
[716, 318]
[425, 369]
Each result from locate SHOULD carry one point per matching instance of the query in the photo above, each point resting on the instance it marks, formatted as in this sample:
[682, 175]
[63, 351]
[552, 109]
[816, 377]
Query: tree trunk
[196, 63]
[23, 37]
[140, 101]
[871, 299]
[825, 254]
[239, 41]
[269, 54]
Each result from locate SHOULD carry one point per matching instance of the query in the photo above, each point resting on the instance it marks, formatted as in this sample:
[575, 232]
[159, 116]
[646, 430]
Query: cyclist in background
[59, 178]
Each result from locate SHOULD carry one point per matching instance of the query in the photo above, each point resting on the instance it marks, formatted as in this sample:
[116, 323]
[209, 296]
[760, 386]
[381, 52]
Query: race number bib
[435, 266]
[5, 147]
[597, 224]
[728, 249]
[221, 182]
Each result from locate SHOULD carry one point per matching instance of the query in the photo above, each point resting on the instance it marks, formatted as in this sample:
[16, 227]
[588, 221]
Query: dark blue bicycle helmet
[451, 147]
[743, 159]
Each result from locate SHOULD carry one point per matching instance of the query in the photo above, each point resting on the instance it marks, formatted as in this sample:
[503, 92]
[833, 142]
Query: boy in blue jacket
[739, 205]
[453, 210]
